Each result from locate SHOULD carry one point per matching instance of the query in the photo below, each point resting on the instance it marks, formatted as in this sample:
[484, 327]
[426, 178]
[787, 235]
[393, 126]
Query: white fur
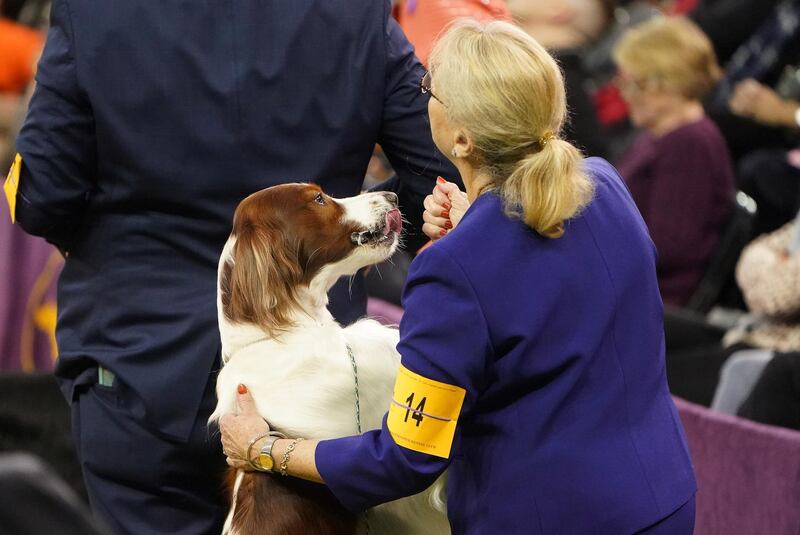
[303, 383]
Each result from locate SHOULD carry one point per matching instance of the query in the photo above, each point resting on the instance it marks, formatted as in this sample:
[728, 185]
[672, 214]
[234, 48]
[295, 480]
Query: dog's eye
[319, 199]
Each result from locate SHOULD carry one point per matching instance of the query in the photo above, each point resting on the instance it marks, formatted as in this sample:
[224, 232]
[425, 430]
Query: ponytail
[548, 187]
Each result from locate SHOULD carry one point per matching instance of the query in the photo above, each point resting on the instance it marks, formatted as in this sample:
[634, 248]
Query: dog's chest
[306, 385]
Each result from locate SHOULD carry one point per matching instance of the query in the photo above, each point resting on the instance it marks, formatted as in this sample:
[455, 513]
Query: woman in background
[678, 170]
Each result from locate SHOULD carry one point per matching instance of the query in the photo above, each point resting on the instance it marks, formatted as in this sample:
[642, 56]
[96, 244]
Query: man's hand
[758, 102]
[238, 430]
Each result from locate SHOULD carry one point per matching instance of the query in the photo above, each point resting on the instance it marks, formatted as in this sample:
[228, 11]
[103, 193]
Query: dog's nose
[391, 197]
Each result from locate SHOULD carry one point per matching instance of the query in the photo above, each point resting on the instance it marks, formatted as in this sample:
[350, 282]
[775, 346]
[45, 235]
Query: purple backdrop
[27, 299]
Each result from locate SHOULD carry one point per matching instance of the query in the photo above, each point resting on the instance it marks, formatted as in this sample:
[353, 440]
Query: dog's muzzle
[392, 223]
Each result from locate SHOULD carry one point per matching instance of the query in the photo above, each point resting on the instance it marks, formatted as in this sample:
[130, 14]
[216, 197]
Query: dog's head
[292, 242]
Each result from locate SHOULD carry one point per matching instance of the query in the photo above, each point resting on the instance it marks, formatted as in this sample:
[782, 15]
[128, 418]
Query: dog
[289, 244]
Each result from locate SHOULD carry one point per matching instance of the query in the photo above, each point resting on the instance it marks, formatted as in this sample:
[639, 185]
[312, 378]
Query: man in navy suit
[150, 121]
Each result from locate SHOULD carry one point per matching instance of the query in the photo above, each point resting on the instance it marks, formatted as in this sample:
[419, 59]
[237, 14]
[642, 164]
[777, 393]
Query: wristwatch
[265, 459]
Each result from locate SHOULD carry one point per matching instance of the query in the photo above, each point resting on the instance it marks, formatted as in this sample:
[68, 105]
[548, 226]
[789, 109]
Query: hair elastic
[547, 136]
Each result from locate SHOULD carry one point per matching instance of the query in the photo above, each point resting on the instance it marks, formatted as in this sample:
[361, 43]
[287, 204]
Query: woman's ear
[463, 146]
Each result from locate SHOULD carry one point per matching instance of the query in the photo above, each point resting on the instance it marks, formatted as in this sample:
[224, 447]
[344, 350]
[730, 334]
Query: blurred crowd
[696, 102]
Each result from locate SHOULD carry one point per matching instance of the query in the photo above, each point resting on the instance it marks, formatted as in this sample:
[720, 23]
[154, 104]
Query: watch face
[265, 460]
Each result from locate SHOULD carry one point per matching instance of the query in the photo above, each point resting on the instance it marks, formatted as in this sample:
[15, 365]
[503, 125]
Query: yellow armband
[424, 413]
[11, 186]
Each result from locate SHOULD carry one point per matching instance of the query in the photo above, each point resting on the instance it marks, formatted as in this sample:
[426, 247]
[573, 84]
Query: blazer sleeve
[57, 142]
[444, 337]
[405, 133]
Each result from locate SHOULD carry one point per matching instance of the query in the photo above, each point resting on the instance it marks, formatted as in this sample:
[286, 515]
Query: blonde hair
[672, 52]
[502, 87]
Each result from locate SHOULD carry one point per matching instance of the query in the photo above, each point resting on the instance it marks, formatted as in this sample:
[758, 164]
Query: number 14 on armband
[416, 413]
[424, 413]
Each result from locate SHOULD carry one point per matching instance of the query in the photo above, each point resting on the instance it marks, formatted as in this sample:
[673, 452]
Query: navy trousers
[140, 482]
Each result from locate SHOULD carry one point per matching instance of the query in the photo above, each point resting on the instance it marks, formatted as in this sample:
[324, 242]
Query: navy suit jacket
[567, 425]
[152, 120]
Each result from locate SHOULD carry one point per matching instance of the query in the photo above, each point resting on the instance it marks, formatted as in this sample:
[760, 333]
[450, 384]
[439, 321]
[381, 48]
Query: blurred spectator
[567, 28]
[599, 59]
[563, 24]
[423, 20]
[768, 273]
[770, 176]
[763, 56]
[20, 47]
[769, 56]
[728, 23]
[678, 170]
[762, 104]
[33, 13]
[678, 7]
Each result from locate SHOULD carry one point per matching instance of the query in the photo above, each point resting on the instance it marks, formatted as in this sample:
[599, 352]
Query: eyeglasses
[425, 87]
[628, 85]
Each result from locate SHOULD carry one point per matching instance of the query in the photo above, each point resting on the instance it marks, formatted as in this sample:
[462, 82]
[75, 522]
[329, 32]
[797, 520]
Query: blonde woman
[679, 170]
[532, 344]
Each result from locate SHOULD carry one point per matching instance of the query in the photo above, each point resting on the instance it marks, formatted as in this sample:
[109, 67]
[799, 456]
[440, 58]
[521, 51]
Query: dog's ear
[262, 279]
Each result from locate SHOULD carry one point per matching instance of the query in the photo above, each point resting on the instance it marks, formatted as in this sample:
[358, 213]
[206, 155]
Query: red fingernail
[442, 233]
[446, 214]
[448, 225]
[242, 389]
[446, 206]
[440, 180]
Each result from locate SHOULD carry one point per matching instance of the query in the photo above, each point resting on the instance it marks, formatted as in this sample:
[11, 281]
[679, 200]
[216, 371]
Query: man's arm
[405, 134]
[758, 102]
[57, 142]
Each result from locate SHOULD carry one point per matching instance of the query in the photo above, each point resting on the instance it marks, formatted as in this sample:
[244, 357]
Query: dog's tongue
[394, 222]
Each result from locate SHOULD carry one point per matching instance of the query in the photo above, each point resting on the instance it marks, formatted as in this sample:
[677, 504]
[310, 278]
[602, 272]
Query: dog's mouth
[391, 228]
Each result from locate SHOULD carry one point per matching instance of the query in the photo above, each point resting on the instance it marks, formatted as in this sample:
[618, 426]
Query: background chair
[718, 285]
[36, 502]
[748, 474]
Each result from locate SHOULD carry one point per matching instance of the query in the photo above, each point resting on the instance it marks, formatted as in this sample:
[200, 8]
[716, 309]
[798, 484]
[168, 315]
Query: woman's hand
[443, 209]
[238, 430]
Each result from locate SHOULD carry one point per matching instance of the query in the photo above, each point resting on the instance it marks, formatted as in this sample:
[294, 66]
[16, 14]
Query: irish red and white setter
[289, 244]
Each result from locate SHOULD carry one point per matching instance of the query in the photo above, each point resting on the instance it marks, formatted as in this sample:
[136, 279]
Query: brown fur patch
[225, 286]
[283, 238]
[269, 504]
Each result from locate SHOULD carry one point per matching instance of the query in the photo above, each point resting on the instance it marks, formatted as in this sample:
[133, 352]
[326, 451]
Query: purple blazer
[567, 425]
